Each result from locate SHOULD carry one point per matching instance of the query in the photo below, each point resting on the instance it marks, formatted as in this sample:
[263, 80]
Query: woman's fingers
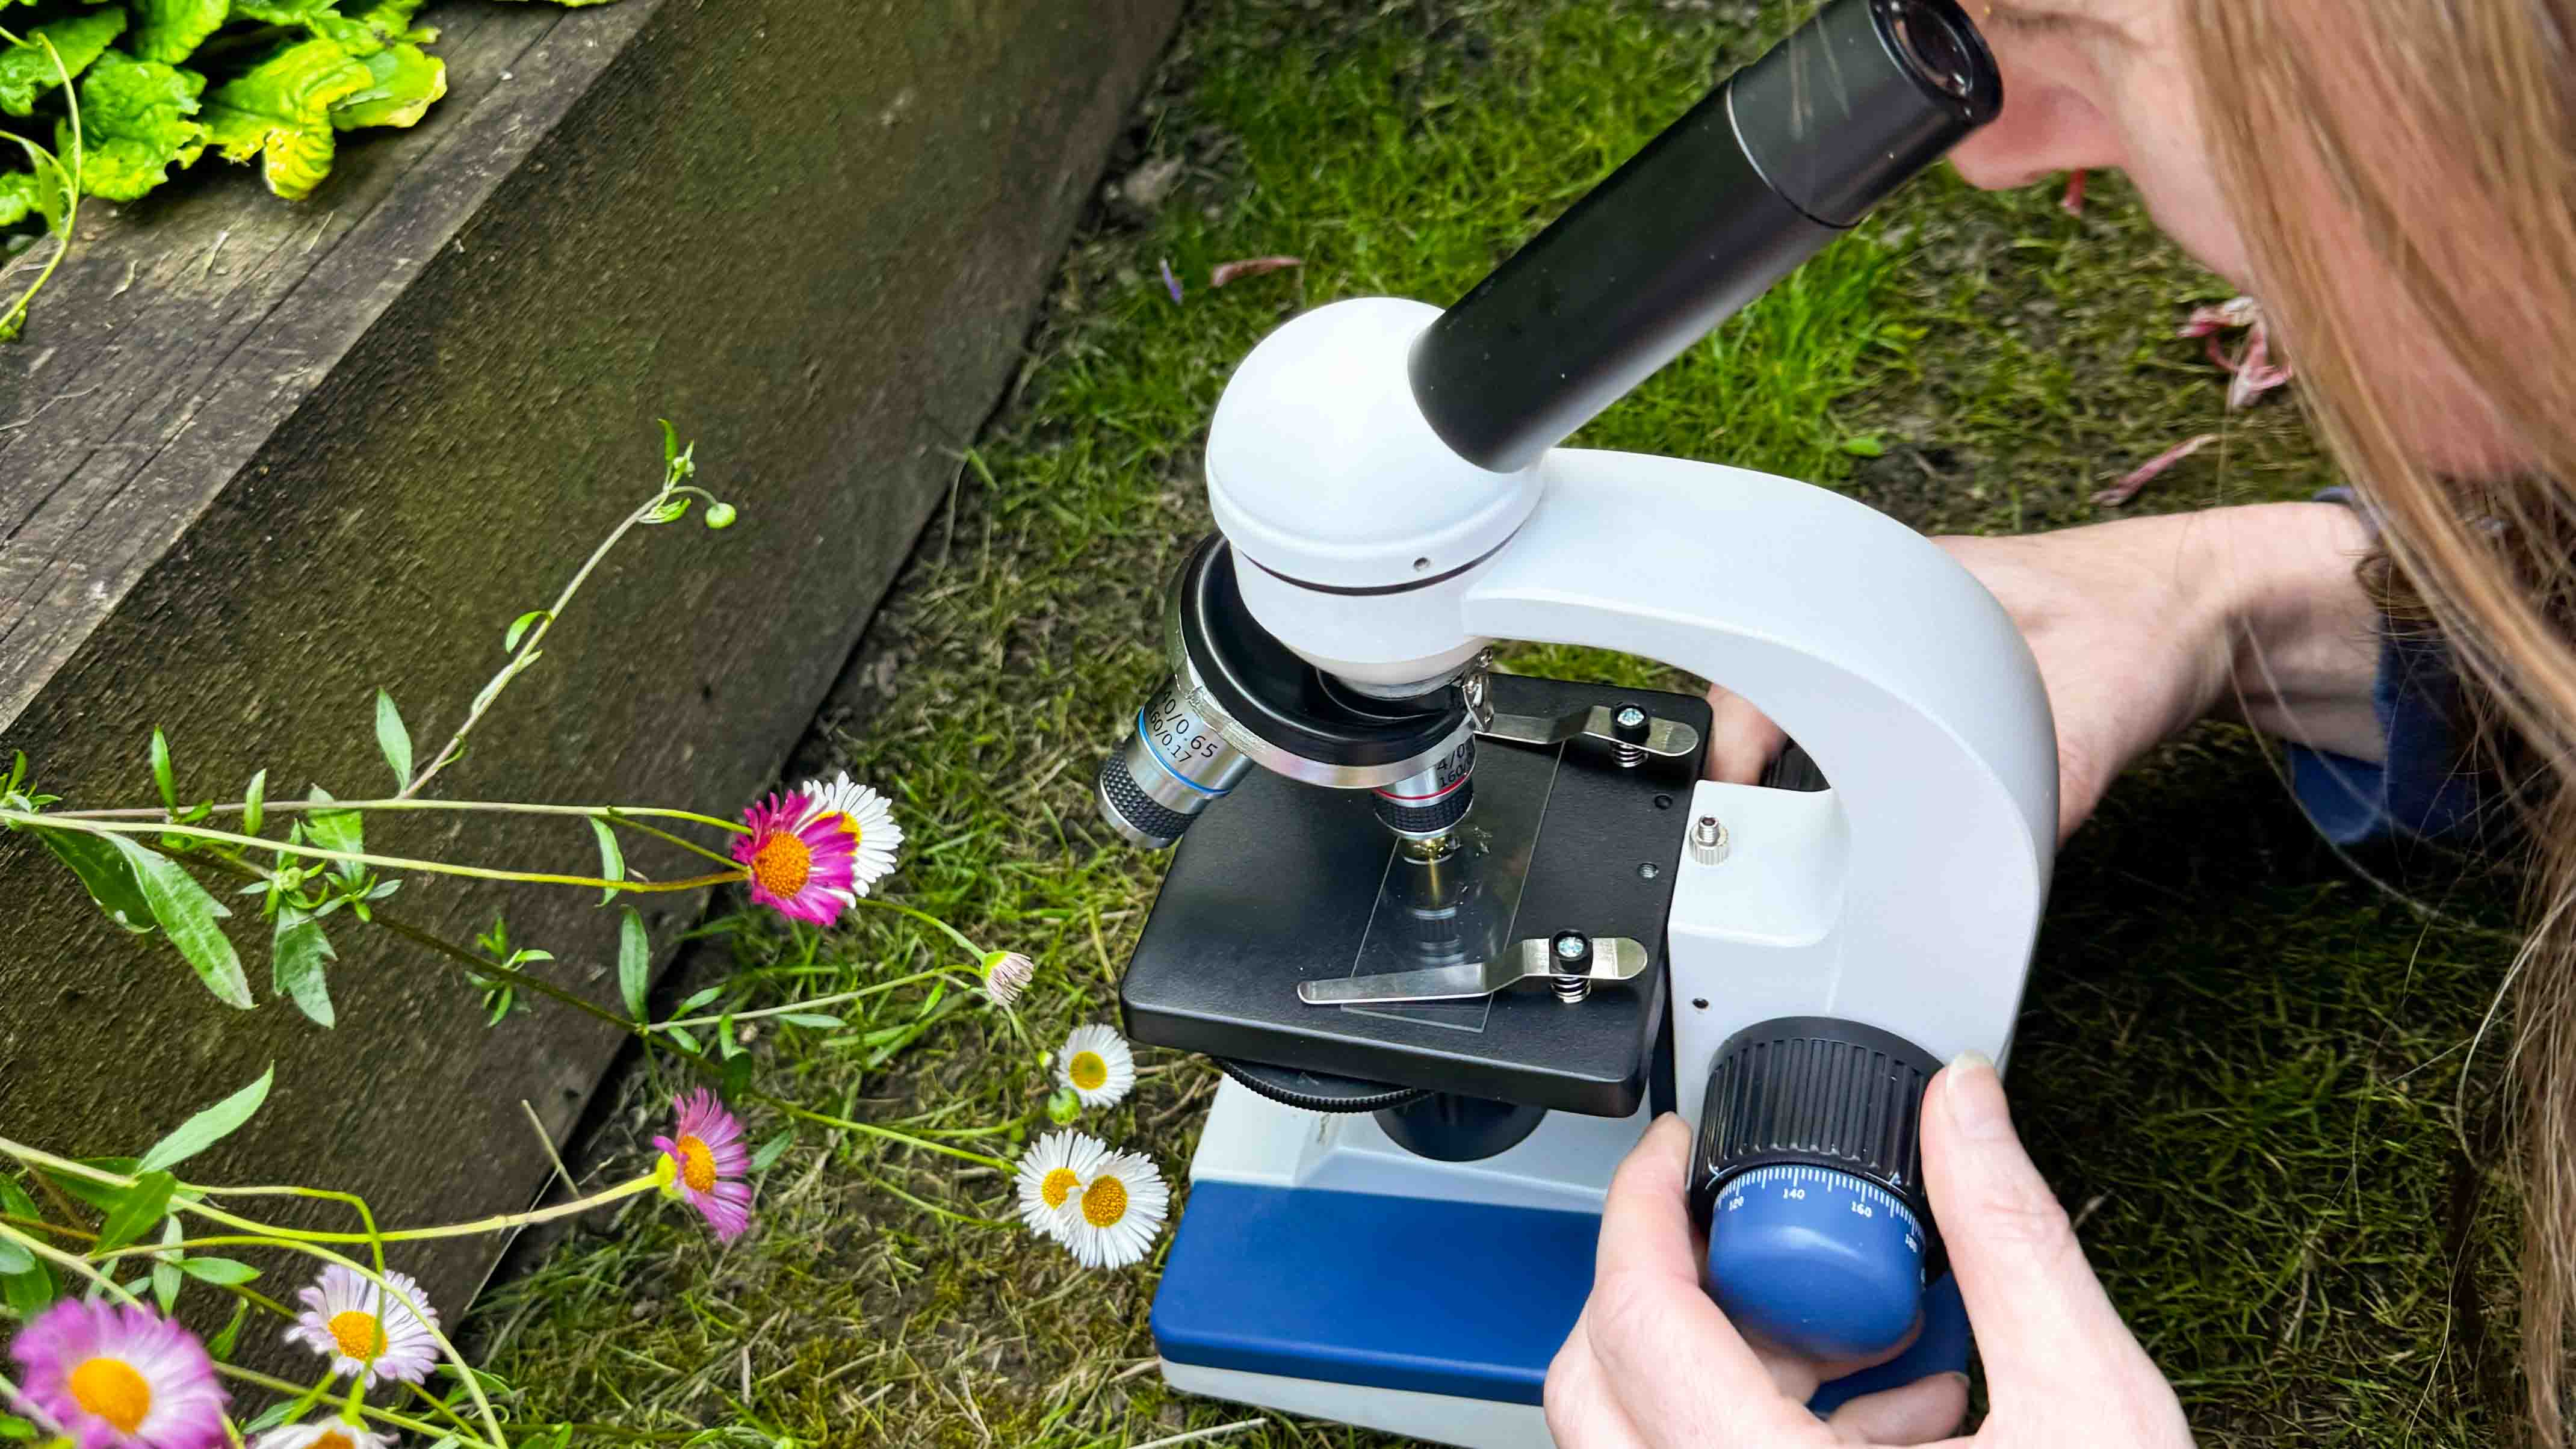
[1741, 739]
[2046, 1330]
[1582, 1413]
[1922, 1412]
[1681, 1373]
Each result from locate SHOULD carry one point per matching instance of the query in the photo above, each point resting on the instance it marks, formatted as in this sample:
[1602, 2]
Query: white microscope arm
[1907, 896]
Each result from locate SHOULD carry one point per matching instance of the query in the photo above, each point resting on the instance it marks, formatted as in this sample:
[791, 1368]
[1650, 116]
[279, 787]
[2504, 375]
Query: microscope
[1454, 934]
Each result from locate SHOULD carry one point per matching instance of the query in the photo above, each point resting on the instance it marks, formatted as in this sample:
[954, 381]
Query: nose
[2046, 127]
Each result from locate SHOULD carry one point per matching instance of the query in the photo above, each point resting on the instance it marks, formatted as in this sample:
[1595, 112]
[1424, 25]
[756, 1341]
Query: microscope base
[1431, 1418]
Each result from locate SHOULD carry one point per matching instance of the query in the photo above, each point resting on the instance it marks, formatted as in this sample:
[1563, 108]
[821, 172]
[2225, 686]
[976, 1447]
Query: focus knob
[1808, 1176]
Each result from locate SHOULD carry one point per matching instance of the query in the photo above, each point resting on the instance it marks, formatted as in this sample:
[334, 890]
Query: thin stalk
[617, 813]
[870, 1129]
[496, 1223]
[926, 918]
[794, 1006]
[366, 1214]
[525, 654]
[399, 1421]
[389, 862]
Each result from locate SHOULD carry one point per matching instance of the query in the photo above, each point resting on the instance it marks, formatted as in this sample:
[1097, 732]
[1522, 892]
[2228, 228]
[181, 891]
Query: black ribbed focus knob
[1814, 1091]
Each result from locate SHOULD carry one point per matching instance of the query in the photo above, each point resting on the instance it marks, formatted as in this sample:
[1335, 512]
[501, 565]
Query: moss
[2241, 1064]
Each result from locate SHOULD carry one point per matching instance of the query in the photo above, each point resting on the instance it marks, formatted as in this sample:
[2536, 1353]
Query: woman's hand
[2144, 626]
[1653, 1364]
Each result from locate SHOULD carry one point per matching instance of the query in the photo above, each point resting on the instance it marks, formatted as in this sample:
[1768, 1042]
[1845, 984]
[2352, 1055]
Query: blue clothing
[2426, 789]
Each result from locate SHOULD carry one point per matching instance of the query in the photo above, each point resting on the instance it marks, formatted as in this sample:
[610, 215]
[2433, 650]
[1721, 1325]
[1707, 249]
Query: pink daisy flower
[120, 1378]
[799, 858]
[365, 1331]
[709, 1164]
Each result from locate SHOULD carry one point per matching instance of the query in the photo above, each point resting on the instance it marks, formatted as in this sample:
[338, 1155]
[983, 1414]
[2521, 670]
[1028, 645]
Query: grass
[2241, 1064]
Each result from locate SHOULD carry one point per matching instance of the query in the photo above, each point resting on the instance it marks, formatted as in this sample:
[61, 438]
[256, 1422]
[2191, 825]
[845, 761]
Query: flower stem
[619, 813]
[870, 1129]
[399, 1421]
[926, 918]
[497, 1223]
[390, 862]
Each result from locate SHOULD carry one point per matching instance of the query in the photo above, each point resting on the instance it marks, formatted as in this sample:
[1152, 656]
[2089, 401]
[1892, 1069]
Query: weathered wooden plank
[345, 446]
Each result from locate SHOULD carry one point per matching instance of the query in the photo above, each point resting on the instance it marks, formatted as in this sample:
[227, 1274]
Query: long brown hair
[2431, 144]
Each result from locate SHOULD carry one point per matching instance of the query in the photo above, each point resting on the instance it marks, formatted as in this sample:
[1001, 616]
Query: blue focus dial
[1818, 1261]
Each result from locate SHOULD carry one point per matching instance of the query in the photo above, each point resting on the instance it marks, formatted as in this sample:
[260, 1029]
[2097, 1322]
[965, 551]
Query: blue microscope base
[1418, 1316]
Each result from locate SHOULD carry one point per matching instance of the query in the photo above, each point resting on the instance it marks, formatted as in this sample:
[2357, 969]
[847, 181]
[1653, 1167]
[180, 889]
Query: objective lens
[1933, 46]
[1173, 766]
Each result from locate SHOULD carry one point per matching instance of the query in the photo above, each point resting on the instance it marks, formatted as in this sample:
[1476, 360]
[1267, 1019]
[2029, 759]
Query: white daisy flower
[1121, 1208]
[1098, 1066]
[1052, 1176]
[864, 813]
[322, 1434]
[364, 1331]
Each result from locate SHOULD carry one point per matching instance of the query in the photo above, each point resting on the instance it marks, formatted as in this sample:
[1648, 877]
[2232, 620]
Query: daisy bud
[1063, 1106]
[720, 515]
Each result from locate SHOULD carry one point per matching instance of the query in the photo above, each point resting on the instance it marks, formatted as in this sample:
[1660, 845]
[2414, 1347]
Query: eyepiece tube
[1778, 160]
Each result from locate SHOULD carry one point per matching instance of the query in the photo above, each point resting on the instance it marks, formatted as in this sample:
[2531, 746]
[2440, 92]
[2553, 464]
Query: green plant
[105, 98]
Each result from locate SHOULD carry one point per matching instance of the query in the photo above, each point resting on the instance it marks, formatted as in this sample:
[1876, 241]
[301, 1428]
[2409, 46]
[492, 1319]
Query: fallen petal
[2145, 473]
[1171, 284]
[2256, 372]
[1225, 272]
[2234, 312]
[2073, 200]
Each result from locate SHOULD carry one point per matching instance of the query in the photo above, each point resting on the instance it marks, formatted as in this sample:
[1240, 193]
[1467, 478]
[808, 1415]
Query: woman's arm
[2144, 626]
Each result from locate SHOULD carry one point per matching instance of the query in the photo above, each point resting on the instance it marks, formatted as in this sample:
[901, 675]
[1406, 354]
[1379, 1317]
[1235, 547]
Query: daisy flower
[325, 1434]
[798, 859]
[1007, 974]
[365, 1331]
[115, 1377]
[1121, 1208]
[709, 1164]
[1052, 1176]
[1098, 1066]
[867, 818]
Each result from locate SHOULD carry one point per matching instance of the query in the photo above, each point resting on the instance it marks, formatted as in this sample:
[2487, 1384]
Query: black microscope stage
[1283, 882]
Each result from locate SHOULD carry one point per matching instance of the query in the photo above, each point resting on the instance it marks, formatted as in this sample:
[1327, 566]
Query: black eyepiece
[1940, 55]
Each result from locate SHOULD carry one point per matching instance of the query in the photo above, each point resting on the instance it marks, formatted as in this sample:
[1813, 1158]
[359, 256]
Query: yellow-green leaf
[168, 30]
[137, 121]
[406, 82]
[280, 111]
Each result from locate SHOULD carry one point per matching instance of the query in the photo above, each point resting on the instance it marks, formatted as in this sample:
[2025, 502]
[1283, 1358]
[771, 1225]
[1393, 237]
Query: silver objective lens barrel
[1173, 766]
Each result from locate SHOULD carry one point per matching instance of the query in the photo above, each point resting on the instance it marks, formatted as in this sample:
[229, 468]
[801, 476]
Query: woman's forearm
[2304, 632]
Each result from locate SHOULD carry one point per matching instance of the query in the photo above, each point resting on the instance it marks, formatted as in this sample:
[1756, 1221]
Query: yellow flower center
[333, 1439]
[1104, 1202]
[1059, 1185]
[782, 864]
[1088, 1071]
[697, 1165]
[110, 1389]
[357, 1333]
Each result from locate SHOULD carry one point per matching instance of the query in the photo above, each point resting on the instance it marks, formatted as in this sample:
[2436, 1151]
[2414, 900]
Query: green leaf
[281, 12]
[404, 82]
[612, 861]
[811, 1018]
[220, 1347]
[26, 1292]
[698, 999]
[13, 1427]
[224, 1272]
[167, 30]
[100, 1195]
[518, 629]
[337, 830]
[369, 31]
[14, 1259]
[136, 1210]
[208, 1127]
[687, 1042]
[634, 961]
[136, 123]
[165, 1267]
[188, 915]
[1865, 445]
[284, 1411]
[393, 739]
[254, 804]
[104, 874]
[302, 958]
[27, 71]
[162, 774]
[32, 193]
[728, 1046]
[772, 1150]
[280, 111]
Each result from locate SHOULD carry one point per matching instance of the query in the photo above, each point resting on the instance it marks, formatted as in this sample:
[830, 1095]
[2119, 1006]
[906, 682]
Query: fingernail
[1974, 1096]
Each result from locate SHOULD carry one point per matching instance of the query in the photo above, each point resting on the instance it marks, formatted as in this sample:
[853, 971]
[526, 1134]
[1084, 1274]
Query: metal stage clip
[1569, 960]
[1629, 727]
